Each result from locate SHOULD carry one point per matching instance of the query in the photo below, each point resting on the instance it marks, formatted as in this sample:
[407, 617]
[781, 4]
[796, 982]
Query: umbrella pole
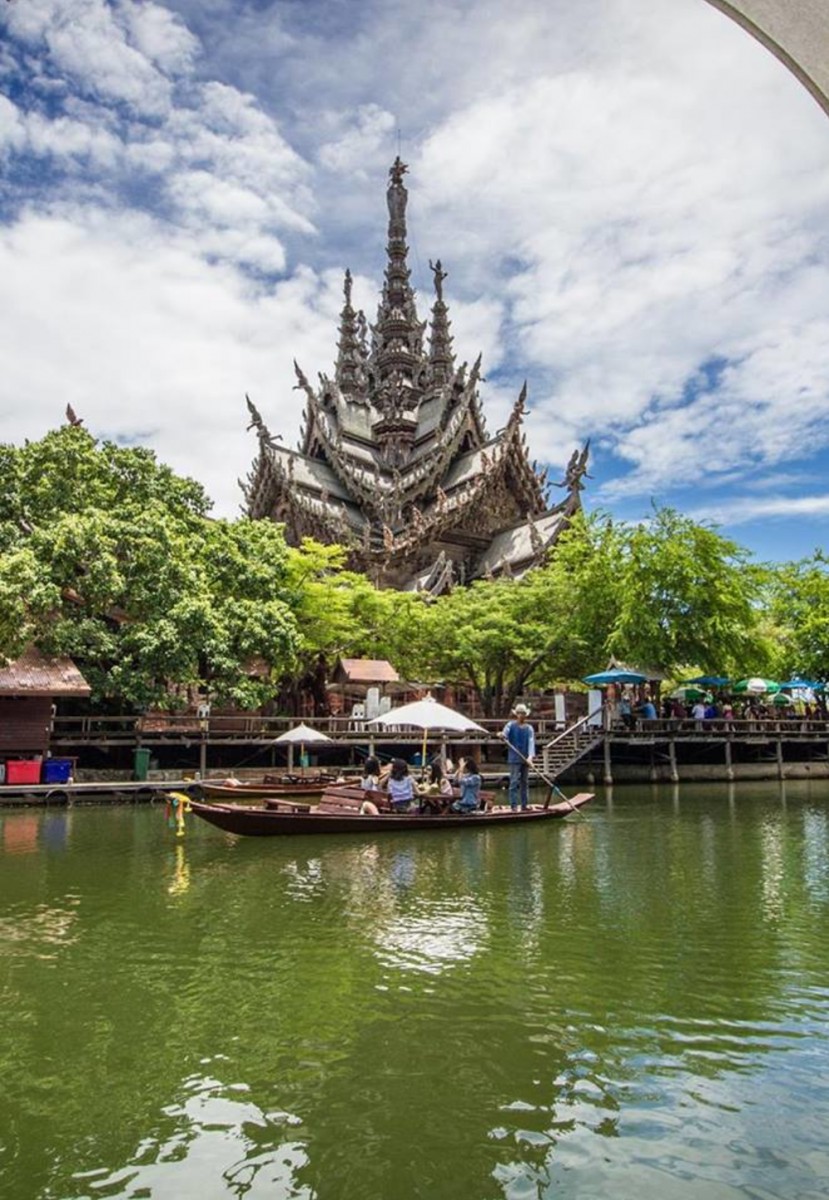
[290, 758]
[423, 756]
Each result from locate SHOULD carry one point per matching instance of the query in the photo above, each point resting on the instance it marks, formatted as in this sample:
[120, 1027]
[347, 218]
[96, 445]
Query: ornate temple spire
[398, 334]
[350, 370]
[441, 358]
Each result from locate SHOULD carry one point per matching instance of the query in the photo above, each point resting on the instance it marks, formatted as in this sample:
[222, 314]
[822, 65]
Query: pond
[630, 1002]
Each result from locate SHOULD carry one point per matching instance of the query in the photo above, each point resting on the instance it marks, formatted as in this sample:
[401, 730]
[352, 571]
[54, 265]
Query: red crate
[23, 770]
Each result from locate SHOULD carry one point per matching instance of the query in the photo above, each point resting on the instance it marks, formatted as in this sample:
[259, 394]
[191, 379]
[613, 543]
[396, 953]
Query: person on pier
[520, 738]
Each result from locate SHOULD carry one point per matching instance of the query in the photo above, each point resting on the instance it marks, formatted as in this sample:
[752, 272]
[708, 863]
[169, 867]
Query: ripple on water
[212, 1143]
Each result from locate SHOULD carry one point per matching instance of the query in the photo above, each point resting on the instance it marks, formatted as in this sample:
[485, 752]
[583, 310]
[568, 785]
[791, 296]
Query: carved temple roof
[395, 461]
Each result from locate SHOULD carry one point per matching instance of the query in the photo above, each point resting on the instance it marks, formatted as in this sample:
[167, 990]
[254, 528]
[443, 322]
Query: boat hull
[265, 822]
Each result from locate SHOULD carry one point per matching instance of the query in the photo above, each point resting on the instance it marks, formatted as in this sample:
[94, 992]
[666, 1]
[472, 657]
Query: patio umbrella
[300, 734]
[755, 686]
[796, 684]
[780, 699]
[710, 680]
[688, 692]
[614, 675]
[428, 714]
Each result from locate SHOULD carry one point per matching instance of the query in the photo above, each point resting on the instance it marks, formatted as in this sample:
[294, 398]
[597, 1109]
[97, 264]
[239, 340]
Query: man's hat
[521, 710]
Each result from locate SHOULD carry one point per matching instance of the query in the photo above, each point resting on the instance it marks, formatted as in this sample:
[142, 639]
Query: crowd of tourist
[630, 710]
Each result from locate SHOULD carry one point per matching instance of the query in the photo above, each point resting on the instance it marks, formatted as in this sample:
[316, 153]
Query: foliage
[800, 608]
[688, 596]
[111, 558]
[108, 556]
[664, 594]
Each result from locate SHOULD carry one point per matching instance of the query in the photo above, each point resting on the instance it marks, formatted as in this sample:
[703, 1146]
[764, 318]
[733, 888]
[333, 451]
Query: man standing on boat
[520, 738]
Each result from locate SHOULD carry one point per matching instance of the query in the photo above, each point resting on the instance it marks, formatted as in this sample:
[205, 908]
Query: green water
[633, 1003]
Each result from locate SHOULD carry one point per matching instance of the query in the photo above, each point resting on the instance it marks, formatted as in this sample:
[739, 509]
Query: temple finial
[72, 418]
[257, 423]
[440, 275]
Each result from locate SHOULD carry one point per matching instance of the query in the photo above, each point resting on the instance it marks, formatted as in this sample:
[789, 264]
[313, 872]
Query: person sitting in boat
[371, 775]
[436, 791]
[400, 786]
[469, 781]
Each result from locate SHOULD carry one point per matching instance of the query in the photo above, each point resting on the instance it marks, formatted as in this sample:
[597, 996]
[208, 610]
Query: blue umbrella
[615, 676]
[794, 684]
[710, 680]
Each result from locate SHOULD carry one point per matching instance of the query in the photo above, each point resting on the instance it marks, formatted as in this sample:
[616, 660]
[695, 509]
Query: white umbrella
[300, 734]
[428, 714]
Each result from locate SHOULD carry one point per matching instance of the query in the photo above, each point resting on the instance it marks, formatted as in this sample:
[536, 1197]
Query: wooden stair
[571, 745]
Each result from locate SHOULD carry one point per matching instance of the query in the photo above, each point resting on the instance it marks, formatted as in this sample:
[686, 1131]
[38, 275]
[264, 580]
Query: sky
[632, 213]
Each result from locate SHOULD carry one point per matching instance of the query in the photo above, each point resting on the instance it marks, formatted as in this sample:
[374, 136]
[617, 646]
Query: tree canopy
[110, 557]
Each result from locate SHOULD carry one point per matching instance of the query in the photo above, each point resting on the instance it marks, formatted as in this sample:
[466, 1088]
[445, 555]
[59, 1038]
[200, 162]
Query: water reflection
[180, 882]
[634, 1003]
[212, 1141]
[39, 933]
[434, 939]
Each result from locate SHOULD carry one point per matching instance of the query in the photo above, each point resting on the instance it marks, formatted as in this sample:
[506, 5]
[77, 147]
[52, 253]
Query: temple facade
[395, 462]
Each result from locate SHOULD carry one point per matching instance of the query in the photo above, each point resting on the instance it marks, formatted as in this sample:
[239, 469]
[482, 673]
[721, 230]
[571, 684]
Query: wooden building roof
[33, 674]
[365, 670]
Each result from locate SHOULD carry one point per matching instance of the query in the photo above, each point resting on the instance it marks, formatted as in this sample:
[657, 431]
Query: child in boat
[436, 792]
[400, 786]
[469, 781]
[371, 775]
[370, 783]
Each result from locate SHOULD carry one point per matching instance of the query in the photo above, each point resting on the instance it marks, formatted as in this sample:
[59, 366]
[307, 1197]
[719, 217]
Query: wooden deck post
[608, 774]
[781, 771]
[729, 768]
[203, 757]
[672, 759]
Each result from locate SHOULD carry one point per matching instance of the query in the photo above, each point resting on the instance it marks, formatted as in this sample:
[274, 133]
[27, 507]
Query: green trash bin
[141, 766]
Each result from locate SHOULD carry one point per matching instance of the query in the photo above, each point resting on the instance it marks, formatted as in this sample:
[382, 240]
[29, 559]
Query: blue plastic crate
[57, 770]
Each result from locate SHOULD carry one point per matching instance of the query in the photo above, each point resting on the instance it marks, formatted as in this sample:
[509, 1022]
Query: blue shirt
[470, 796]
[521, 739]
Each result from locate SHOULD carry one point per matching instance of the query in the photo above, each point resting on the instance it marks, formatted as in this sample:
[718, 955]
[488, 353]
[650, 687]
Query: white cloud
[362, 141]
[145, 340]
[743, 509]
[87, 41]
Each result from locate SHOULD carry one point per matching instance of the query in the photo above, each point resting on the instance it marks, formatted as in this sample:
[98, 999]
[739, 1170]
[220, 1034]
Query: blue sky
[633, 218]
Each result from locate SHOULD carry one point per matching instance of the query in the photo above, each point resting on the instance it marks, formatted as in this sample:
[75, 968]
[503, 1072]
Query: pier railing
[252, 728]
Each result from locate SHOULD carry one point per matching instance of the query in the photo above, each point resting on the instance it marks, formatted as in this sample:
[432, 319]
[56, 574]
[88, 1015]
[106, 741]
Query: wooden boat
[340, 813]
[271, 785]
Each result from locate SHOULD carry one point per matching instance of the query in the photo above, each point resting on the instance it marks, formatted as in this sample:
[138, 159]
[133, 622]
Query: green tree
[689, 596]
[667, 593]
[111, 558]
[800, 609]
[340, 613]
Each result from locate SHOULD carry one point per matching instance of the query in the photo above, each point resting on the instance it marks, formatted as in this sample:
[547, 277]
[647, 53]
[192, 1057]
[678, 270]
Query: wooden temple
[395, 462]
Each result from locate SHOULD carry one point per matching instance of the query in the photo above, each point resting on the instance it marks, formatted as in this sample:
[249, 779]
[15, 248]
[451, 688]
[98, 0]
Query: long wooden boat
[342, 815]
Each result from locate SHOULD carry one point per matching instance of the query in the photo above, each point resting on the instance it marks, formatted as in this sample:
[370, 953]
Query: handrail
[576, 725]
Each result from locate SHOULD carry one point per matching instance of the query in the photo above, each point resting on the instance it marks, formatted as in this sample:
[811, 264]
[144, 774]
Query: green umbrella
[781, 700]
[755, 686]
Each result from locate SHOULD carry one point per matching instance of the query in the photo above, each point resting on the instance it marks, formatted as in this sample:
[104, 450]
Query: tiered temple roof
[395, 462]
